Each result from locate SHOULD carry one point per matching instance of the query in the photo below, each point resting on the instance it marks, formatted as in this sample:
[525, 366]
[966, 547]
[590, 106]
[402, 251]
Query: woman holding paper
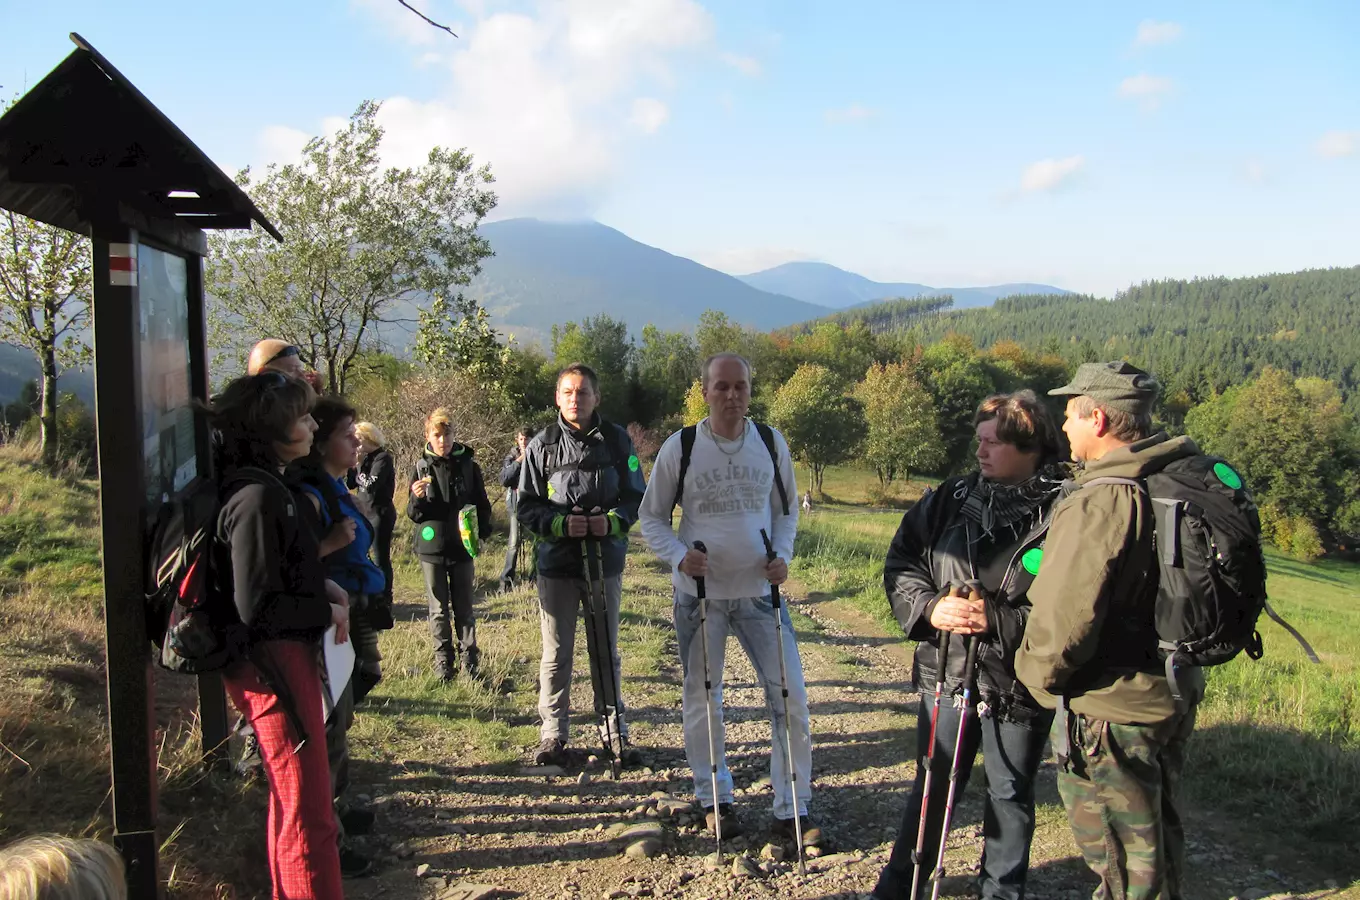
[270, 562]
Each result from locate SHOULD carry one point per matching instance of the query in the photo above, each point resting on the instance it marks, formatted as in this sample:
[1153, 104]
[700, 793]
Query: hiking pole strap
[271, 679]
[1290, 628]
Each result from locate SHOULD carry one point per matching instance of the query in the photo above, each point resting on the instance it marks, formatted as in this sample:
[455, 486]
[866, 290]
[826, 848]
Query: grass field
[1275, 755]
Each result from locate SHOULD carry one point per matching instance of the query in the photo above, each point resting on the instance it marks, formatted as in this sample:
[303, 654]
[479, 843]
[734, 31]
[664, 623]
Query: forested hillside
[1199, 336]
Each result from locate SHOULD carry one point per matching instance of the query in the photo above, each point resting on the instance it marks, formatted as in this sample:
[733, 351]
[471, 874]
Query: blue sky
[1080, 144]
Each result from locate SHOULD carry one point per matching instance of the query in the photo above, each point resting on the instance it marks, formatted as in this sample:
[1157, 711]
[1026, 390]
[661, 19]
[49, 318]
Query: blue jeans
[1011, 753]
[751, 620]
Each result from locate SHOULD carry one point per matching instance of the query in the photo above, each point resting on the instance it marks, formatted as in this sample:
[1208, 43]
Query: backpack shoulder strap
[551, 435]
[767, 435]
[687, 436]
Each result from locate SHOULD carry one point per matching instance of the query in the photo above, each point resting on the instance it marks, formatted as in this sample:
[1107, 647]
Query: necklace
[718, 440]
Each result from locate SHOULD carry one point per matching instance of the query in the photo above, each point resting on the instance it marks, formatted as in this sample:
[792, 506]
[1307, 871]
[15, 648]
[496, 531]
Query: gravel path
[513, 830]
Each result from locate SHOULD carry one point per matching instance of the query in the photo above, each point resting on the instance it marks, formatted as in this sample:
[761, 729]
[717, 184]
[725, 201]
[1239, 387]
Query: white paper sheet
[339, 668]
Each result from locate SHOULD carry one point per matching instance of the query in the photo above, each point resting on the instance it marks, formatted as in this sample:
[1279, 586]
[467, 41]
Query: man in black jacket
[581, 481]
[446, 479]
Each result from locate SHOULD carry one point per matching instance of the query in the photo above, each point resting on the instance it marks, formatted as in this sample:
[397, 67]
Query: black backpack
[1211, 586]
[190, 616]
[690, 432]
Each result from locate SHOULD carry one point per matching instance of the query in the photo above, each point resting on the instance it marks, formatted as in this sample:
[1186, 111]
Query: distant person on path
[986, 528]
[807, 501]
[51, 867]
[581, 481]
[446, 479]
[1090, 646]
[729, 493]
[375, 480]
[272, 563]
[510, 473]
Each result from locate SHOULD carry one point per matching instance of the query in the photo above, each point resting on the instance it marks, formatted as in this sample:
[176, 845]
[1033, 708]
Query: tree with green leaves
[360, 242]
[458, 334]
[902, 435]
[958, 382]
[45, 296]
[667, 362]
[822, 425]
[601, 342]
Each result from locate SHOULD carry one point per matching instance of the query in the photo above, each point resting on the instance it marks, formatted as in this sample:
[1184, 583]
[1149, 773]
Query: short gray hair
[1124, 426]
[708, 365]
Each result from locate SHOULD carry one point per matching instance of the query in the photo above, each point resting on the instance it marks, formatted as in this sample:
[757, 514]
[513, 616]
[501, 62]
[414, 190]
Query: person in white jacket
[731, 492]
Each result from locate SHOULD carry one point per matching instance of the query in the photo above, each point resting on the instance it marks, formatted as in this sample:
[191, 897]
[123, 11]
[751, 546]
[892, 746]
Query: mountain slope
[545, 273]
[827, 285]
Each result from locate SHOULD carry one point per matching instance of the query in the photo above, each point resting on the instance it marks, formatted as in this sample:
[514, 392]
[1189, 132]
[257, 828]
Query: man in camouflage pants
[1090, 645]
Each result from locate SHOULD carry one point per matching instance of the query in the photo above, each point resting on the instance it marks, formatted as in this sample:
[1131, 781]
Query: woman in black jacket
[985, 529]
[375, 481]
[270, 563]
[446, 479]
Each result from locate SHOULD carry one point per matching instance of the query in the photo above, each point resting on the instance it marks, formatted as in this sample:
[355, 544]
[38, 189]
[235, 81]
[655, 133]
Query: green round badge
[1226, 475]
[633, 463]
[1031, 560]
[427, 533]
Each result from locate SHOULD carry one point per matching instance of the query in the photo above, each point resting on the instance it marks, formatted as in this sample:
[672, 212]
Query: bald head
[273, 355]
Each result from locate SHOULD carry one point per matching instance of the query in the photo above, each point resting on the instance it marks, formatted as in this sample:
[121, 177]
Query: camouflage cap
[1116, 385]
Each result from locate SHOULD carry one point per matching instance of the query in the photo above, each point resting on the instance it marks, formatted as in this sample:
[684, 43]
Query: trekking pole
[607, 662]
[969, 682]
[784, 690]
[941, 672]
[596, 664]
[708, 701]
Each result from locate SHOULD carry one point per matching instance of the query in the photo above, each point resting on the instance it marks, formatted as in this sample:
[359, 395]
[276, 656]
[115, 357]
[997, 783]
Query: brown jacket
[1091, 635]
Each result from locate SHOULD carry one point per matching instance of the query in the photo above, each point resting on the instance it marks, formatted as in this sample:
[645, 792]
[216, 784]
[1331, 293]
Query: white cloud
[852, 113]
[281, 144]
[1050, 174]
[1148, 90]
[649, 114]
[1151, 33]
[549, 95]
[1254, 171]
[1335, 144]
[746, 65]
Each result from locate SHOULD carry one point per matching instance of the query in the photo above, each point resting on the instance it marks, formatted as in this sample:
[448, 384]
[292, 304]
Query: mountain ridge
[827, 285]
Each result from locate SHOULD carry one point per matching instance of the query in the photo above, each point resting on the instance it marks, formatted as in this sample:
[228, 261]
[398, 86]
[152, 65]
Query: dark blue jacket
[565, 468]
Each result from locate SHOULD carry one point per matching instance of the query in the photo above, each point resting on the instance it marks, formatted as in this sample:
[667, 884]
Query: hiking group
[1050, 602]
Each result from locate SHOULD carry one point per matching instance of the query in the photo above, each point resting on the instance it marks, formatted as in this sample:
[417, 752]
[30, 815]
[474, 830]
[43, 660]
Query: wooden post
[122, 505]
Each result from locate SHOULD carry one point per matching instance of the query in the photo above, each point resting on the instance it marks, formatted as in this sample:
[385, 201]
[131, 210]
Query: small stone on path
[643, 849]
[743, 867]
[422, 870]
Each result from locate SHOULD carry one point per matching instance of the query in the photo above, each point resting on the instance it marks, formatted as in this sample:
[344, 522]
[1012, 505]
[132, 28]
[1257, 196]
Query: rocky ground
[458, 832]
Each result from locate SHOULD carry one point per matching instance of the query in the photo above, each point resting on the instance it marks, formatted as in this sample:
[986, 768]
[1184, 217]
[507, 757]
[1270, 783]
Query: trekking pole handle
[699, 580]
[770, 556]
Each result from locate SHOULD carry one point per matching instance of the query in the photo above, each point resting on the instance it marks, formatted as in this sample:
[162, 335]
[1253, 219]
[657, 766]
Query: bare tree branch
[426, 18]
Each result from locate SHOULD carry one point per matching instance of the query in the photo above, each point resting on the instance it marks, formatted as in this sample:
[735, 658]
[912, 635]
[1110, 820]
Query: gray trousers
[560, 601]
[448, 588]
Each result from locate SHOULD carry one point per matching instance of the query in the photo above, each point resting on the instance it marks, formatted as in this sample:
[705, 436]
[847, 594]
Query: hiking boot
[731, 825]
[354, 865]
[551, 752]
[782, 829]
[357, 821]
[251, 763]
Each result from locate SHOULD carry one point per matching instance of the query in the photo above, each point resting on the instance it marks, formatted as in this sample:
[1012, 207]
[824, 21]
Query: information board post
[121, 506]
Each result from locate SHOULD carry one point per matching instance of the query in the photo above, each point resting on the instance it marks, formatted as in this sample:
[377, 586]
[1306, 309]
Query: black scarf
[993, 506]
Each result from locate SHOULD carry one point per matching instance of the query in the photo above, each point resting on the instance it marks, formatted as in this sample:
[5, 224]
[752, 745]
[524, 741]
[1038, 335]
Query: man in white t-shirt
[730, 492]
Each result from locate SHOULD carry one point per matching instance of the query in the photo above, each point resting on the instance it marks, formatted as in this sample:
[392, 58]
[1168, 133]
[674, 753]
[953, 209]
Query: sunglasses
[290, 350]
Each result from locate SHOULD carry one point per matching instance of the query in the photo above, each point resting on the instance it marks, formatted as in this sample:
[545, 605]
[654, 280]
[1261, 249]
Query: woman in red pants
[268, 560]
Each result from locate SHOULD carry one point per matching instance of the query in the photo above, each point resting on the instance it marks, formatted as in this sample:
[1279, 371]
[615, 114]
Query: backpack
[687, 437]
[190, 618]
[1211, 585]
